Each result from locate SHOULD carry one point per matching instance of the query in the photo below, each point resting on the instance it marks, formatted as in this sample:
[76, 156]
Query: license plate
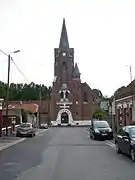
[104, 134]
[23, 132]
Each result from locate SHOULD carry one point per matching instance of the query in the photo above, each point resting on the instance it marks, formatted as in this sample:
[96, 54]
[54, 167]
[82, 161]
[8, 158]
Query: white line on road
[11, 144]
[87, 132]
[40, 133]
[109, 143]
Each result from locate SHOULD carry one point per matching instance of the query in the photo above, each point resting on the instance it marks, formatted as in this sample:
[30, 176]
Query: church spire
[64, 37]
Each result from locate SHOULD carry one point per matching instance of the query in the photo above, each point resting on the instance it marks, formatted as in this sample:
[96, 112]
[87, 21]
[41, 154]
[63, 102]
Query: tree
[98, 93]
[25, 92]
[99, 114]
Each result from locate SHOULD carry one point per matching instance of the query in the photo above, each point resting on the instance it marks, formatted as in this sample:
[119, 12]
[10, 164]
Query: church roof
[64, 37]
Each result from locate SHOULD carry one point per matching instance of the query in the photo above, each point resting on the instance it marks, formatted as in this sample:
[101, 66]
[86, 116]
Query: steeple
[76, 71]
[64, 37]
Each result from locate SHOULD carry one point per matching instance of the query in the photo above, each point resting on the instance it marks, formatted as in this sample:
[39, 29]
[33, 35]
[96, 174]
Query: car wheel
[90, 136]
[132, 153]
[93, 136]
[117, 148]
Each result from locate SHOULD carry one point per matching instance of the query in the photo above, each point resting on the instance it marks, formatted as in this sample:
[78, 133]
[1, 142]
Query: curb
[11, 144]
[18, 141]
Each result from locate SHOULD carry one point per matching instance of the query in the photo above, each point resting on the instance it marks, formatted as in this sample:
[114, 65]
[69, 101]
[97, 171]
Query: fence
[10, 130]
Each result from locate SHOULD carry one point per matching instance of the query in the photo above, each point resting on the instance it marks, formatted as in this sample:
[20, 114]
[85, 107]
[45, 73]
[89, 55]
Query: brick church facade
[71, 100]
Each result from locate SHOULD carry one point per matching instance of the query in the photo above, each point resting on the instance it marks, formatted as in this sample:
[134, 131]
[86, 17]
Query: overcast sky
[101, 31]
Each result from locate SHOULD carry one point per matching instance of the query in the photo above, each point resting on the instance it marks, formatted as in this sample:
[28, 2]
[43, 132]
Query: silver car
[26, 129]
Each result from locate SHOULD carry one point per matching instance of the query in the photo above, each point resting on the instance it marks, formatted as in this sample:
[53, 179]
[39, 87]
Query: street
[64, 154]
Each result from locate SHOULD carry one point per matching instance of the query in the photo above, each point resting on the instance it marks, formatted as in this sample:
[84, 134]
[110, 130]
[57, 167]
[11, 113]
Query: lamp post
[1, 122]
[7, 89]
[132, 94]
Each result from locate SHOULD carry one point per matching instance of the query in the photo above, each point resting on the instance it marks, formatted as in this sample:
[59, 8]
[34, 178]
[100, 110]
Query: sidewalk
[8, 141]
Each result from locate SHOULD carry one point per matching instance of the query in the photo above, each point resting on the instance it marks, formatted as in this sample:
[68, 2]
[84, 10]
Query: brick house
[15, 113]
[124, 105]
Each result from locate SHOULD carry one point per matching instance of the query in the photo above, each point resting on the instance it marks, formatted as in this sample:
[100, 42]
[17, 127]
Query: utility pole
[7, 89]
[131, 84]
[7, 93]
[40, 100]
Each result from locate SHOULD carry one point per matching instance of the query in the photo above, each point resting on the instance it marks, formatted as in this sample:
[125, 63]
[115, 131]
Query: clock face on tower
[63, 54]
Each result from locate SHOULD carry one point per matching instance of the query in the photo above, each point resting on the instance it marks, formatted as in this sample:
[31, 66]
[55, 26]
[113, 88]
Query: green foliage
[25, 92]
[99, 114]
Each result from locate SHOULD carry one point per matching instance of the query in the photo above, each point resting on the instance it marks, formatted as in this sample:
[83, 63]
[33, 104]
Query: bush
[99, 114]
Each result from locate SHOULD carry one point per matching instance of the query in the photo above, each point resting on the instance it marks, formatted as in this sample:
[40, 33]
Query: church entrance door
[64, 118]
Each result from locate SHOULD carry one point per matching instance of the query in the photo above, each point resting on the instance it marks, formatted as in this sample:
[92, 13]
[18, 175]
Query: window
[25, 125]
[85, 98]
[101, 124]
[61, 95]
[64, 66]
[132, 132]
[66, 94]
[122, 132]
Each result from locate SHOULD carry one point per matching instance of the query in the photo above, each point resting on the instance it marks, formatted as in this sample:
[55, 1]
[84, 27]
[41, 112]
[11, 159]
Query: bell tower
[71, 100]
[64, 58]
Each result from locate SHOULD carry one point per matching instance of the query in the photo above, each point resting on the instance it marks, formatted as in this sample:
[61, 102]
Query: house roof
[126, 90]
[43, 106]
[32, 107]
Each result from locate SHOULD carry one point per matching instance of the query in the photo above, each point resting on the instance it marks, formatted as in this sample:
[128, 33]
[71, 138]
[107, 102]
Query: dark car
[26, 129]
[100, 130]
[125, 141]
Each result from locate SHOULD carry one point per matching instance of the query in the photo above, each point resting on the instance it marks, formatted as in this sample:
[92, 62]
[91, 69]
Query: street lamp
[7, 89]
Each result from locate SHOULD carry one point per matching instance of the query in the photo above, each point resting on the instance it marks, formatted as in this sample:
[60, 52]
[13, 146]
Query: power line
[16, 66]
[20, 70]
[3, 52]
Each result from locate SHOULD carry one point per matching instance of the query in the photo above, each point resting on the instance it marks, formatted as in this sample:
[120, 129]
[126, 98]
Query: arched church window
[85, 97]
[64, 66]
[66, 94]
[62, 95]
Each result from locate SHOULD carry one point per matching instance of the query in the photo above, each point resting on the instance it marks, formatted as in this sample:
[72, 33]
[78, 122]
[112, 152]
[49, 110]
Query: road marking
[11, 144]
[109, 143]
[40, 133]
[88, 133]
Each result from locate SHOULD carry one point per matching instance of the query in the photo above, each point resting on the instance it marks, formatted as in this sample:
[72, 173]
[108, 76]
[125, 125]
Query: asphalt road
[64, 154]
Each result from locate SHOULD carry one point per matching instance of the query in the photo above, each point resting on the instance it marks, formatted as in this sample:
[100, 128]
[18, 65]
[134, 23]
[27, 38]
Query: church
[71, 100]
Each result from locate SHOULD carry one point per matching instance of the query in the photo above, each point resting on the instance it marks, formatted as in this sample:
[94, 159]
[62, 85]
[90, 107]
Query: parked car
[26, 129]
[44, 126]
[100, 130]
[125, 141]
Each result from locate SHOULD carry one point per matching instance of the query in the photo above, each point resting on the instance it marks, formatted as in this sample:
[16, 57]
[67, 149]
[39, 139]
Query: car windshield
[25, 125]
[102, 124]
[132, 132]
